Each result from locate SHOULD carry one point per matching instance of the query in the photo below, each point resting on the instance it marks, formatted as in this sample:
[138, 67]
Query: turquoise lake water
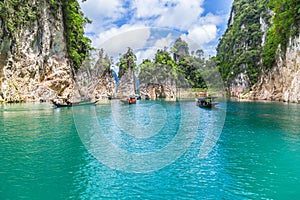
[151, 150]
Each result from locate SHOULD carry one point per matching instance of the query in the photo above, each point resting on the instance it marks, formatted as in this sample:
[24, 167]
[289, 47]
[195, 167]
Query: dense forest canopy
[187, 69]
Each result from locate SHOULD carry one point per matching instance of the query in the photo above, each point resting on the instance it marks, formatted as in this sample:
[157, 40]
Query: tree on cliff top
[180, 49]
[126, 62]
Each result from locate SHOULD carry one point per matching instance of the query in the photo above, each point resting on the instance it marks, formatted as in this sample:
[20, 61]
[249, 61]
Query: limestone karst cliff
[282, 82]
[95, 80]
[258, 55]
[36, 60]
[126, 84]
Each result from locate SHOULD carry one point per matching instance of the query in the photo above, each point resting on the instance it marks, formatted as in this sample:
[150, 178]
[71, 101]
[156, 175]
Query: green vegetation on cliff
[189, 70]
[15, 14]
[242, 48]
[126, 62]
[77, 44]
[18, 15]
[239, 48]
[286, 23]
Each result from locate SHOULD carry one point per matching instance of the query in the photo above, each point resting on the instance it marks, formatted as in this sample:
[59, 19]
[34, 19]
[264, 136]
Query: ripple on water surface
[256, 157]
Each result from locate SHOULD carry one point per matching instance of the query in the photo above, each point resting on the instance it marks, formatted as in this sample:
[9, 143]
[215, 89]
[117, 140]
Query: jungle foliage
[78, 45]
[16, 15]
[242, 49]
[189, 70]
[285, 25]
[126, 62]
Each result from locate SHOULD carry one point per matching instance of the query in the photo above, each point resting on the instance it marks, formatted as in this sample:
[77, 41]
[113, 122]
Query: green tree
[189, 66]
[180, 49]
[147, 72]
[286, 22]
[126, 62]
[78, 45]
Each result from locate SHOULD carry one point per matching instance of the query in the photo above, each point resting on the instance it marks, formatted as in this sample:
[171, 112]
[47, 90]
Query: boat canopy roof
[206, 98]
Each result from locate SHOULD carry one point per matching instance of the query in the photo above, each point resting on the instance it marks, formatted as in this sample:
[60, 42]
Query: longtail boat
[62, 102]
[130, 100]
[205, 102]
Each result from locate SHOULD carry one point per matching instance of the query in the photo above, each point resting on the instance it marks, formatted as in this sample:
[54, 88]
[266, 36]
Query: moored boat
[63, 102]
[205, 102]
[130, 100]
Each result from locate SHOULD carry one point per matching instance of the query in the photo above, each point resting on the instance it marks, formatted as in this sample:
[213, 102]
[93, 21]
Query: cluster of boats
[64, 102]
[202, 102]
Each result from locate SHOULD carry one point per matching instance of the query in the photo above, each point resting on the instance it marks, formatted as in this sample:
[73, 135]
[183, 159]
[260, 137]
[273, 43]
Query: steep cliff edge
[258, 55]
[95, 80]
[282, 82]
[36, 62]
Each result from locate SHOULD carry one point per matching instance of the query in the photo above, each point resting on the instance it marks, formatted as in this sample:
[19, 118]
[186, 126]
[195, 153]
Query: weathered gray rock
[90, 84]
[126, 84]
[239, 85]
[34, 64]
[282, 82]
[164, 89]
[158, 91]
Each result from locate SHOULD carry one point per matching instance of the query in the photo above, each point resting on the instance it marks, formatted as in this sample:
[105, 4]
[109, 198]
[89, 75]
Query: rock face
[258, 55]
[282, 82]
[94, 86]
[33, 62]
[126, 84]
[164, 89]
[106, 87]
[158, 91]
[240, 84]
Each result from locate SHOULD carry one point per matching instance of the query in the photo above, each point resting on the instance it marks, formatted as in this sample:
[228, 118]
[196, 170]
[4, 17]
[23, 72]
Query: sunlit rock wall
[282, 82]
[33, 63]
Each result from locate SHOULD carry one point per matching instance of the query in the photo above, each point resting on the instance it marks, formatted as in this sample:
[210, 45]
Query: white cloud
[118, 24]
[149, 50]
[117, 40]
[202, 34]
[164, 42]
[148, 8]
[169, 13]
[201, 37]
[211, 19]
[102, 13]
[181, 16]
[101, 9]
[146, 53]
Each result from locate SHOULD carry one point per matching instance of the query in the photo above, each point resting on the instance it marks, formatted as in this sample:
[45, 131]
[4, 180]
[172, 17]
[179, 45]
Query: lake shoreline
[223, 99]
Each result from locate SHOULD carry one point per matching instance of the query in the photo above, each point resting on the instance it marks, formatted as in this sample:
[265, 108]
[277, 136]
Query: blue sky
[147, 25]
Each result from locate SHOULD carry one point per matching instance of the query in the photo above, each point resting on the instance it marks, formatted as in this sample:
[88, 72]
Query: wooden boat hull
[128, 101]
[132, 101]
[204, 103]
[209, 105]
[74, 104]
